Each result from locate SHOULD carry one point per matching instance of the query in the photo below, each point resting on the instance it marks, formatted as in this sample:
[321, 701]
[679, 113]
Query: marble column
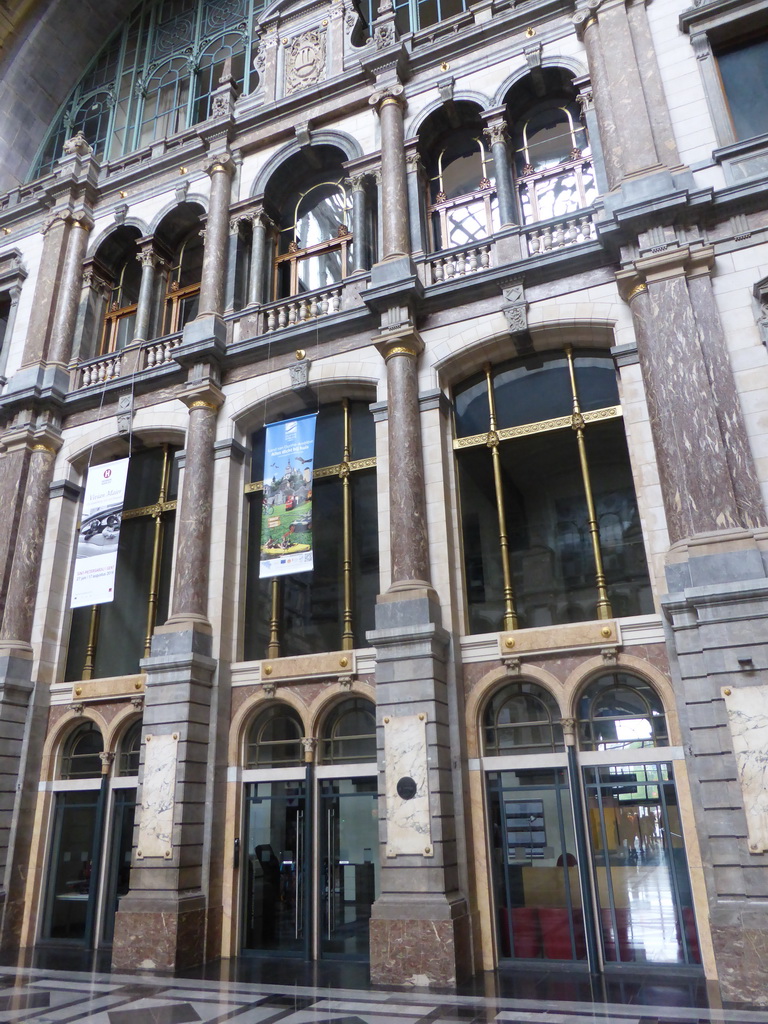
[417, 197]
[216, 237]
[259, 275]
[149, 261]
[498, 138]
[359, 239]
[55, 237]
[16, 629]
[394, 185]
[691, 451]
[193, 525]
[70, 284]
[407, 499]
[632, 114]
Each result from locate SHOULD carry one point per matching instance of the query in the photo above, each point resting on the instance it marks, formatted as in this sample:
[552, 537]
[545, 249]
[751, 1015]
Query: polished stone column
[498, 138]
[16, 629]
[632, 113]
[407, 504]
[359, 239]
[417, 195]
[259, 275]
[696, 486]
[394, 185]
[69, 293]
[55, 237]
[216, 236]
[149, 261]
[193, 525]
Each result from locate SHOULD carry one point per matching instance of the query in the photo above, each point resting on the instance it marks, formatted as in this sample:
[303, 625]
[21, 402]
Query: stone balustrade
[459, 263]
[571, 230]
[102, 370]
[290, 312]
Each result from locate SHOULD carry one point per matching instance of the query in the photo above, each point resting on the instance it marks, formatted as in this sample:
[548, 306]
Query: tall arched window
[155, 77]
[274, 739]
[182, 297]
[550, 521]
[129, 750]
[349, 734]
[331, 607]
[522, 719]
[552, 157]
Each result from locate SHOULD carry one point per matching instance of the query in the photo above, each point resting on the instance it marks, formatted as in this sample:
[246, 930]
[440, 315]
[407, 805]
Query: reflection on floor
[257, 991]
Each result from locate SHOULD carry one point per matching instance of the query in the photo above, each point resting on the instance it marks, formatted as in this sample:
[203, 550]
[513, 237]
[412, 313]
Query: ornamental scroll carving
[305, 61]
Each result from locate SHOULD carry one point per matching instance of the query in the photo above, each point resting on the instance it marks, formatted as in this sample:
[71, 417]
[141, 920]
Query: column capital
[681, 261]
[497, 131]
[399, 343]
[220, 163]
[386, 96]
[203, 396]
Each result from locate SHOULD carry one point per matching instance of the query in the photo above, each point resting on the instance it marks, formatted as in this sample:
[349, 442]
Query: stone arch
[657, 680]
[348, 145]
[415, 124]
[496, 680]
[249, 712]
[57, 737]
[336, 694]
[572, 65]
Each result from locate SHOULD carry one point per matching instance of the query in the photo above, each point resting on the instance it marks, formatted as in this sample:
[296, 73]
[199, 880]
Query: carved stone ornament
[517, 318]
[305, 61]
[299, 374]
[222, 105]
[384, 35]
[496, 132]
[77, 144]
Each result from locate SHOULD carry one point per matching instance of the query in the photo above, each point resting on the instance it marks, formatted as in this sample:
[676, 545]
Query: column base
[421, 951]
[156, 933]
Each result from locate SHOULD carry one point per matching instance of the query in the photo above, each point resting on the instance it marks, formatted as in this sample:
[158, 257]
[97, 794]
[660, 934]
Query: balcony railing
[557, 234]
[147, 355]
[459, 262]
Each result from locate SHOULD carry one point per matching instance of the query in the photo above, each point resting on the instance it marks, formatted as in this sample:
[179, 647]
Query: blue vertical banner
[286, 523]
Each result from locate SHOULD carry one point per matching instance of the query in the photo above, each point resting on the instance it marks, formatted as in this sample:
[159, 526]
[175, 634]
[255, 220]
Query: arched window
[314, 239]
[80, 758]
[550, 520]
[156, 76]
[182, 291]
[619, 711]
[522, 719]
[552, 156]
[349, 734]
[330, 607]
[211, 67]
[462, 194]
[130, 750]
[110, 639]
[118, 255]
[274, 739]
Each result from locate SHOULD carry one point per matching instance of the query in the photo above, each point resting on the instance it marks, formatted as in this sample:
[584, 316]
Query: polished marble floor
[285, 992]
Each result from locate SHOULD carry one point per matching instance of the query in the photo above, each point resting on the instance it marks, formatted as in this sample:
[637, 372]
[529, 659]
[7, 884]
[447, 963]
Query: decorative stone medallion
[305, 61]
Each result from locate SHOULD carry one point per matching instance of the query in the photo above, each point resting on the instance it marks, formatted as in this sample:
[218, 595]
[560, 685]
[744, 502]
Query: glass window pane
[743, 70]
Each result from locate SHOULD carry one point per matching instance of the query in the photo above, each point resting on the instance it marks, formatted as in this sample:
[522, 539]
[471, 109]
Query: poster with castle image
[286, 523]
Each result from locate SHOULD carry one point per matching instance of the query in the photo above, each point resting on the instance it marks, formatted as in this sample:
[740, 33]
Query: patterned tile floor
[338, 993]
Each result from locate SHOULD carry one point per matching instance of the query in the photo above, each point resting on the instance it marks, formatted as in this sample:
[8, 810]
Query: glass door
[274, 859]
[349, 865]
[118, 865]
[645, 903]
[71, 890]
[535, 878]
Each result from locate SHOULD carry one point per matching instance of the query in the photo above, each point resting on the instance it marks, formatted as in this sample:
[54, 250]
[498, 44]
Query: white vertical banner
[96, 558]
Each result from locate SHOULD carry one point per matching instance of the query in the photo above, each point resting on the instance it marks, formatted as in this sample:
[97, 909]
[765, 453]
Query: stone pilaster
[635, 126]
[259, 271]
[359, 240]
[70, 284]
[55, 237]
[692, 452]
[16, 687]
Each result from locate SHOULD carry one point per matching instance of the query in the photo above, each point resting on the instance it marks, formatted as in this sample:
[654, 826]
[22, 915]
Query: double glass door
[615, 879]
[90, 864]
[310, 866]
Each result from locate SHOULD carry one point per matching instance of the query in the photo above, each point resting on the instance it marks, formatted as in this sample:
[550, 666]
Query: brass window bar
[342, 471]
[577, 422]
[159, 512]
[296, 256]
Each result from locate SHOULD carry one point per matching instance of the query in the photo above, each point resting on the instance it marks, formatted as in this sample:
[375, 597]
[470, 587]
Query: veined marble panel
[409, 827]
[748, 719]
[158, 796]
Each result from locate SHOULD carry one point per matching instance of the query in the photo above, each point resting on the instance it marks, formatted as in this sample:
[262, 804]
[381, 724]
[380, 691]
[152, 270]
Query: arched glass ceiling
[155, 77]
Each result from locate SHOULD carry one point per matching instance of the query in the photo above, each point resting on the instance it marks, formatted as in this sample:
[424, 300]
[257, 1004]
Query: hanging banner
[286, 523]
[96, 558]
